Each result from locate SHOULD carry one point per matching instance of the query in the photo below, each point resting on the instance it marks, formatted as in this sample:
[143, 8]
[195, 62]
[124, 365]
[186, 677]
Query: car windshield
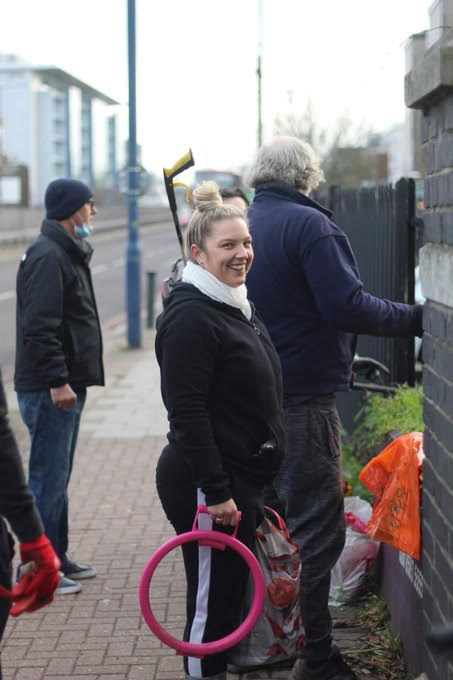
[228, 180]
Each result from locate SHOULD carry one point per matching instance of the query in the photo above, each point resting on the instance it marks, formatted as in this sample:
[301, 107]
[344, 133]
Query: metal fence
[381, 226]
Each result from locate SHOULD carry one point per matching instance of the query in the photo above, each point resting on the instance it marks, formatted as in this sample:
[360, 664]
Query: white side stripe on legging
[204, 581]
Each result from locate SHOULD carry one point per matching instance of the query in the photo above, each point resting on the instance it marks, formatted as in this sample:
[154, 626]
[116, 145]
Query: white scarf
[217, 290]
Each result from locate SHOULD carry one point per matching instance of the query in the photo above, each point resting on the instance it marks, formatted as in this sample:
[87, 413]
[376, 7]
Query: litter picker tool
[182, 164]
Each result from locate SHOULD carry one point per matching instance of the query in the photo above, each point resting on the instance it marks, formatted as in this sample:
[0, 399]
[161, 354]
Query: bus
[224, 178]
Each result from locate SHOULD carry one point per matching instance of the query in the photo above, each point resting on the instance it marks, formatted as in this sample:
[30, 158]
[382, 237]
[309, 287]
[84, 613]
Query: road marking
[9, 295]
[100, 268]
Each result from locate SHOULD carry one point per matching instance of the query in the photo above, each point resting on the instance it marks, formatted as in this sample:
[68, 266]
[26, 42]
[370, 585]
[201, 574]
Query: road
[159, 250]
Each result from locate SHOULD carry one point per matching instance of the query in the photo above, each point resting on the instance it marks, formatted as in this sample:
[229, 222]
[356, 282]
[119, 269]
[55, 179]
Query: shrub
[381, 420]
[402, 412]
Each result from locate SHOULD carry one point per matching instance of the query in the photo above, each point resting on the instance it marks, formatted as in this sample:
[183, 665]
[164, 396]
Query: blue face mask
[82, 232]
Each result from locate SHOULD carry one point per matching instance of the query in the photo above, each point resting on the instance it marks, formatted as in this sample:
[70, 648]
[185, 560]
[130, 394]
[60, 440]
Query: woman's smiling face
[227, 252]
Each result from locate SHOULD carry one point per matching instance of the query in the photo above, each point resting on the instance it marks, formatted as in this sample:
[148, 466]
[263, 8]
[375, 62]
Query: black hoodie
[221, 385]
[16, 500]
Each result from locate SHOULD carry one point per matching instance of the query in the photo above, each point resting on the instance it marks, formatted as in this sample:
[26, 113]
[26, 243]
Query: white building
[393, 140]
[56, 126]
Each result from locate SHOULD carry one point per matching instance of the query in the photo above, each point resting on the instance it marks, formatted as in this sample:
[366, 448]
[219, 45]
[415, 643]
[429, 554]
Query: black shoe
[334, 668]
[76, 571]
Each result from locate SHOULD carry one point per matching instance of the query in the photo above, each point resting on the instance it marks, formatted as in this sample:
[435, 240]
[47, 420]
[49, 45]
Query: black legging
[6, 557]
[216, 579]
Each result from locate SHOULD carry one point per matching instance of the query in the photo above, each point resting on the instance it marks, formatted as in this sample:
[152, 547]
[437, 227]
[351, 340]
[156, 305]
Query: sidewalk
[116, 524]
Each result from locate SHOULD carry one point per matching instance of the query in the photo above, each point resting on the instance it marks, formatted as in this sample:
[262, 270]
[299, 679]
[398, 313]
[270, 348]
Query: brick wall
[438, 477]
[429, 87]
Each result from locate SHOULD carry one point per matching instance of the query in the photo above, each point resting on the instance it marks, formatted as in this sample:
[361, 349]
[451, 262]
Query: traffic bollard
[151, 280]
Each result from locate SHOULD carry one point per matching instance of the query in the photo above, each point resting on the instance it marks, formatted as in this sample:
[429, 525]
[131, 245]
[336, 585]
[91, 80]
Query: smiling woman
[218, 238]
[221, 385]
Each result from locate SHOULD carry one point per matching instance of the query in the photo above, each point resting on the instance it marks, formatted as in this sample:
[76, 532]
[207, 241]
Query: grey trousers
[309, 486]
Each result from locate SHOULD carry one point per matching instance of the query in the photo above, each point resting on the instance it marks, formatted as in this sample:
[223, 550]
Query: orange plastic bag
[394, 478]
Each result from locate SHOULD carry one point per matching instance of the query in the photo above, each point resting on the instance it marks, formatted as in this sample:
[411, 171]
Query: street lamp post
[134, 250]
[259, 73]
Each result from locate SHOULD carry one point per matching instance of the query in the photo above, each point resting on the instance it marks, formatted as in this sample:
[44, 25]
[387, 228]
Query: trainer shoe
[77, 571]
[67, 587]
[334, 668]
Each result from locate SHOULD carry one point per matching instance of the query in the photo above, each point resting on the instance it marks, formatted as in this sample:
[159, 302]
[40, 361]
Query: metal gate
[380, 224]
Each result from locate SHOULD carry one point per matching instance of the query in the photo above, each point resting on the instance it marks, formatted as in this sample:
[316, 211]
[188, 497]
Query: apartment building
[56, 126]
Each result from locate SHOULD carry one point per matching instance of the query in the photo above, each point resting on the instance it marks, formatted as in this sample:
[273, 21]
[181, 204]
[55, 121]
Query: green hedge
[377, 419]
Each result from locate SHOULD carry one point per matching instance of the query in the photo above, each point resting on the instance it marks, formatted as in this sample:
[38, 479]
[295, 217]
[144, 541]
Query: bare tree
[302, 125]
[349, 153]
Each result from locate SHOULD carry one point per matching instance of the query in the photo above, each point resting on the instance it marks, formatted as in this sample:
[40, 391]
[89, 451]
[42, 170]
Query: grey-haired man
[305, 284]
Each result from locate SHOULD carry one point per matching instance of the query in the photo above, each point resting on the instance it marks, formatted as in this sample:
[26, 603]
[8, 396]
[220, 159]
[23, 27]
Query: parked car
[224, 178]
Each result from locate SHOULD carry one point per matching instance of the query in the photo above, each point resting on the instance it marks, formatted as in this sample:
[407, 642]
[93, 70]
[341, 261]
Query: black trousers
[216, 579]
[6, 557]
[309, 485]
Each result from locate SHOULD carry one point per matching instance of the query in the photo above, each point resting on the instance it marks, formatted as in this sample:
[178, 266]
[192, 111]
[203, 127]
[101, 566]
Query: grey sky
[197, 60]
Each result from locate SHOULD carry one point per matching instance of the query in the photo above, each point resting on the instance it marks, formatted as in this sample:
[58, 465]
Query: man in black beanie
[58, 355]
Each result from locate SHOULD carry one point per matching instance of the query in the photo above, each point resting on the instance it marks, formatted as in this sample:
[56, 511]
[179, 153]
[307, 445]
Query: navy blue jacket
[305, 284]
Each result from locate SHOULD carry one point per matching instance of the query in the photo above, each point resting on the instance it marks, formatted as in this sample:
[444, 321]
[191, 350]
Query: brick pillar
[429, 87]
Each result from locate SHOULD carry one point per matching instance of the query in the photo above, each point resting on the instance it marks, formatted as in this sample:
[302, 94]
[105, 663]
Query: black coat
[58, 335]
[221, 385]
[16, 500]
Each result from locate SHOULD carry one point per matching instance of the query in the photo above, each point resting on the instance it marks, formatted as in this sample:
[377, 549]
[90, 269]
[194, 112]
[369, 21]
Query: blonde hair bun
[207, 197]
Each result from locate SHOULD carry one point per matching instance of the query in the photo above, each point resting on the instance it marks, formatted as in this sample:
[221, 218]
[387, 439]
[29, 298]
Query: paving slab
[116, 523]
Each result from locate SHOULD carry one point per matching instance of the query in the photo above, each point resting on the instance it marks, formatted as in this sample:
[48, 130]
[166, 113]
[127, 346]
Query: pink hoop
[217, 540]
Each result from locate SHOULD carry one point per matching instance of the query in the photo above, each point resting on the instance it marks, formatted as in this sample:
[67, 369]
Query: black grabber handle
[169, 173]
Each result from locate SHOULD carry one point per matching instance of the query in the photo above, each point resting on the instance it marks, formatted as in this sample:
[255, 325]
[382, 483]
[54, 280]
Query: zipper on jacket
[256, 328]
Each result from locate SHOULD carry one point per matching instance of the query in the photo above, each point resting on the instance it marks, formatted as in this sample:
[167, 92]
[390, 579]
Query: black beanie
[64, 197]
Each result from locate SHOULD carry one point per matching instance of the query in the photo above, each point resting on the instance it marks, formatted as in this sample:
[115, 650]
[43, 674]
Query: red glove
[37, 587]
